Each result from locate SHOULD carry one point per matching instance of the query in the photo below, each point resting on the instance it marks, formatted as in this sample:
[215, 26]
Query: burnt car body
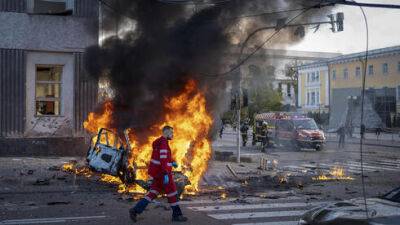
[381, 210]
[108, 154]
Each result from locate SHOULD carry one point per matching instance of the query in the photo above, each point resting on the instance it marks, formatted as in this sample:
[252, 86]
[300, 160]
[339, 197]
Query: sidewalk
[385, 139]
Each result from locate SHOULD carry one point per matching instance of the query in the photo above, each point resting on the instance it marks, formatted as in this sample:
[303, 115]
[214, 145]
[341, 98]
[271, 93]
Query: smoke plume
[166, 44]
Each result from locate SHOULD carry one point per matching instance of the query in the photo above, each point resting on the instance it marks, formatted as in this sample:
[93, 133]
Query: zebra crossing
[350, 166]
[271, 212]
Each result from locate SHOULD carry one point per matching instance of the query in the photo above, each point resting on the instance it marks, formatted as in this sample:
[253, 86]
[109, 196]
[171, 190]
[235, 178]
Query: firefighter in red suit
[160, 172]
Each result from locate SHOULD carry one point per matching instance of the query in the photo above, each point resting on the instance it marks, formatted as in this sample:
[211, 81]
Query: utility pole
[238, 106]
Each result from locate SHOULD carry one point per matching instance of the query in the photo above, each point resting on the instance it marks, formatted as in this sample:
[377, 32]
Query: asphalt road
[68, 199]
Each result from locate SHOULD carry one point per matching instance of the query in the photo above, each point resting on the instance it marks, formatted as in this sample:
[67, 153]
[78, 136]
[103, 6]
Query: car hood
[352, 212]
[311, 133]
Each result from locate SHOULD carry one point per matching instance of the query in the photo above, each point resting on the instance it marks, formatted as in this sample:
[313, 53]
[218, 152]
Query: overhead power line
[362, 4]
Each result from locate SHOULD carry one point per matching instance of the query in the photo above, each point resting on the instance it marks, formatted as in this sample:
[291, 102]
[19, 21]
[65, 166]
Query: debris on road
[232, 172]
[54, 168]
[58, 203]
[44, 181]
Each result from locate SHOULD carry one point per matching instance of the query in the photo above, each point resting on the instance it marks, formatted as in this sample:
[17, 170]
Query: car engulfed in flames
[109, 155]
[128, 158]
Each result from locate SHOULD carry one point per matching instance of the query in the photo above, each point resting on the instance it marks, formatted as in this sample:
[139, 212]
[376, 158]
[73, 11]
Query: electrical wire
[191, 2]
[241, 62]
[362, 113]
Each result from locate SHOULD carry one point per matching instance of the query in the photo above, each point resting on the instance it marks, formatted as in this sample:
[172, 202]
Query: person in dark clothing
[378, 132]
[243, 130]
[362, 131]
[221, 131]
[341, 132]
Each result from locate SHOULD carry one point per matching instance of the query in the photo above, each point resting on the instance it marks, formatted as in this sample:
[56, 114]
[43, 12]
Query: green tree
[264, 99]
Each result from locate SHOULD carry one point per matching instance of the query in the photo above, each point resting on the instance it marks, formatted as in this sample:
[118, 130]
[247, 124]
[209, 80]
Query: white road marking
[232, 200]
[232, 216]
[254, 206]
[48, 220]
[368, 166]
[295, 222]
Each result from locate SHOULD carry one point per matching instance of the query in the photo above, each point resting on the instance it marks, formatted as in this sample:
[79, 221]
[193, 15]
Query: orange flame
[191, 149]
[336, 173]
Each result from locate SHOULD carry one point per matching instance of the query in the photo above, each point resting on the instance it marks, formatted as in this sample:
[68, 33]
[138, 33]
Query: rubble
[58, 203]
[44, 181]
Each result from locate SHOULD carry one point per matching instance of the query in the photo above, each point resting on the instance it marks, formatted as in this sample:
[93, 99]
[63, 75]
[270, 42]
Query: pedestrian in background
[221, 131]
[378, 131]
[362, 131]
[341, 132]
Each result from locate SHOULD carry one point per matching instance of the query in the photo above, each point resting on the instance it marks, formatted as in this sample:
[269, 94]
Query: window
[308, 78]
[313, 76]
[333, 74]
[398, 67]
[285, 125]
[288, 91]
[385, 69]
[308, 98]
[346, 74]
[358, 71]
[317, 98]
[317, 76]
[398, 93]
[371, 70]
[55, 7]
[48, 90]
[312, 98]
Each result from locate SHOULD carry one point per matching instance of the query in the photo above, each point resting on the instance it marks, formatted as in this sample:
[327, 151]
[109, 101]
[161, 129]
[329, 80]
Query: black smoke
[170, 44]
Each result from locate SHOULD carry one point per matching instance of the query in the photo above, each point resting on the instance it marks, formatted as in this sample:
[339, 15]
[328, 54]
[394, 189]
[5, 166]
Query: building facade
[45, 92]
[341, 78]
[313, 91]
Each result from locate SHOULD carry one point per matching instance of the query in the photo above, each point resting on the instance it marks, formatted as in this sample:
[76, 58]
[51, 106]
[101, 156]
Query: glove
[166, 179]
[175, 165]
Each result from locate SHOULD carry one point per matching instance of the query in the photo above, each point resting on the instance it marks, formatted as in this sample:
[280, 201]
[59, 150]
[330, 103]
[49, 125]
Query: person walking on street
[243, 130]
[160, 171]
[362, 131]
[341, 132]
[378, 132]
[221, 131]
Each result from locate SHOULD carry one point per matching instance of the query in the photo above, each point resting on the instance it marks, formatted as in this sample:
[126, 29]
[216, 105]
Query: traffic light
[336, 23]
[233, 101]
[300, 31]
[245, 98]
[280, 23]
[332, 21]
[339, 21]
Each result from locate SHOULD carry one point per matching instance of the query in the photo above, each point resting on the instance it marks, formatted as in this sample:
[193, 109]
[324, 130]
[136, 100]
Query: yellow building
[382, 82]
[313, 91]
[335, 83]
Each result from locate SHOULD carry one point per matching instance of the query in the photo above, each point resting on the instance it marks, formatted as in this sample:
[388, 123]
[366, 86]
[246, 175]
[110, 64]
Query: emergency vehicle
[288, 129]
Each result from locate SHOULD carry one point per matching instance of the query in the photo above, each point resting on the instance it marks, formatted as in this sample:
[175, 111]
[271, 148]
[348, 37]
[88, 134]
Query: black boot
[133, 215]
[177, 214]
[179, 218]
[138, 209]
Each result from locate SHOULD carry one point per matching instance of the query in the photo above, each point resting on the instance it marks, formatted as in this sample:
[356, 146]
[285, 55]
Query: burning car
[108, 154]
[381, 210]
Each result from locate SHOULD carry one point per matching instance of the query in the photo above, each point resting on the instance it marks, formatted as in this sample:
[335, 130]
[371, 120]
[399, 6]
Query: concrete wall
[46, 32]
[62, 125]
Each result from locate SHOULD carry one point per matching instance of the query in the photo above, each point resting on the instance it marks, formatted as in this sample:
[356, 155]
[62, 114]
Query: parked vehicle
[108, 154]
[288, 129]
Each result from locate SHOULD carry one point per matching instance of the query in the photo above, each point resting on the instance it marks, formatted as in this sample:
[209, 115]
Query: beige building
[336, 83]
